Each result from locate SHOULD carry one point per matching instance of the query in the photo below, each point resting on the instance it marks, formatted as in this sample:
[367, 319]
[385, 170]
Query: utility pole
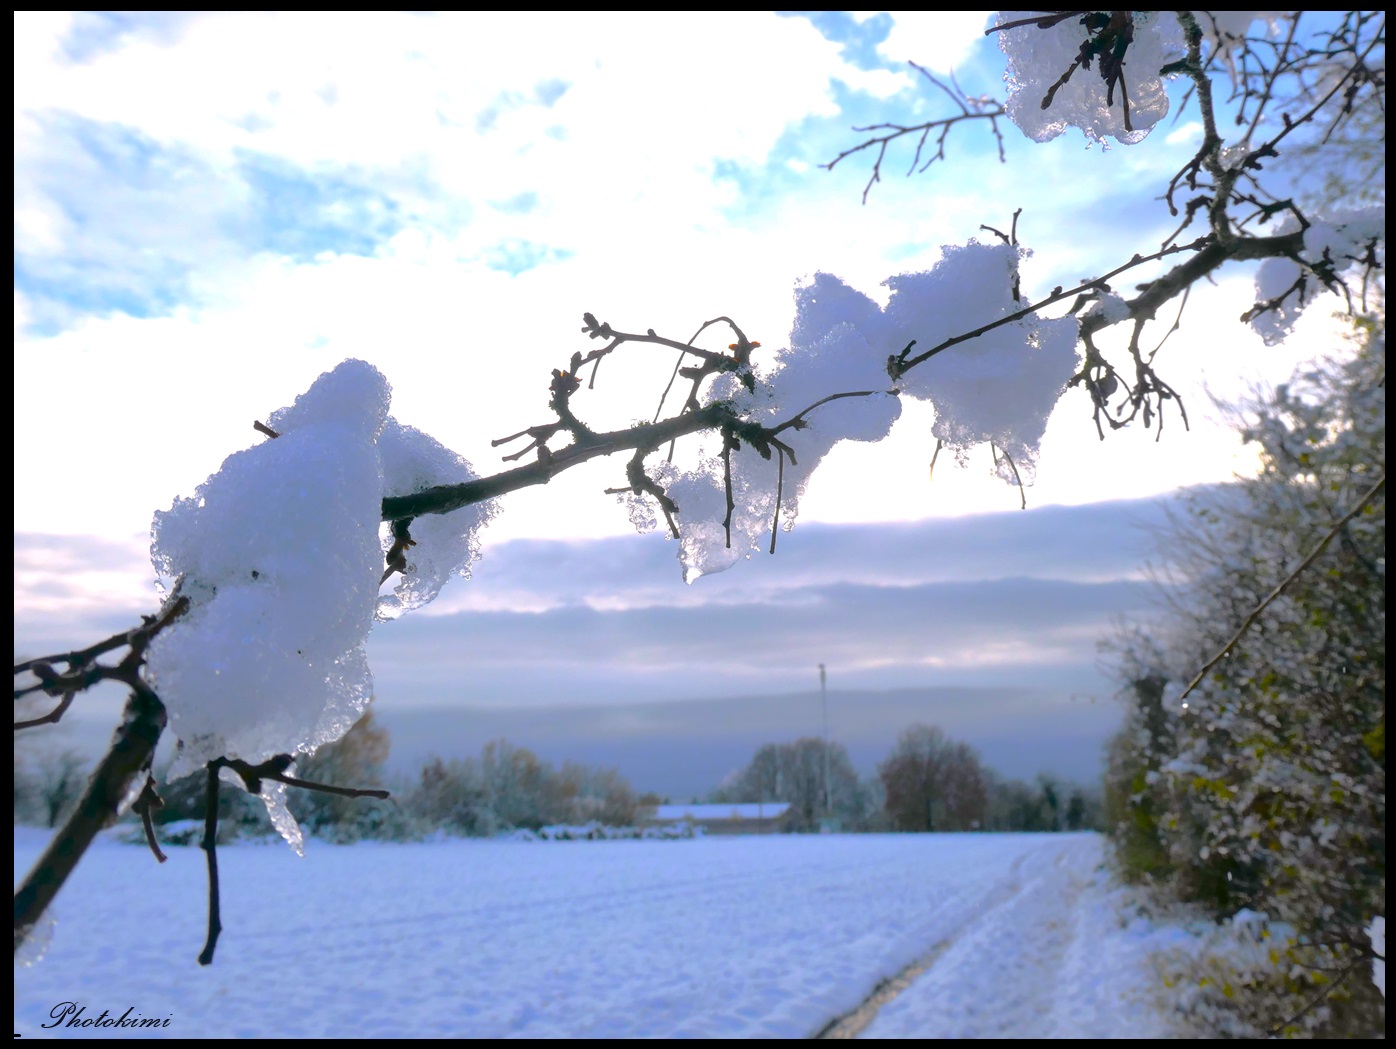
[824, 707]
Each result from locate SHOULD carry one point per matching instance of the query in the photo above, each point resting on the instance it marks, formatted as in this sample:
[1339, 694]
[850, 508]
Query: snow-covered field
[1013, 934]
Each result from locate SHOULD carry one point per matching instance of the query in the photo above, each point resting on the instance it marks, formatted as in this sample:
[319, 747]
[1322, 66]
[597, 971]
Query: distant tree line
[927, 783]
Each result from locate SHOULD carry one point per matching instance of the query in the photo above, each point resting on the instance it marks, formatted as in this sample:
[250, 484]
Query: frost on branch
[280, 554]
[1099, 70]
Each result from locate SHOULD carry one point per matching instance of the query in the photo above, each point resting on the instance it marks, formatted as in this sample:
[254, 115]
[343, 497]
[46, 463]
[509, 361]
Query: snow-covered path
[1047, 960]
[736, 937]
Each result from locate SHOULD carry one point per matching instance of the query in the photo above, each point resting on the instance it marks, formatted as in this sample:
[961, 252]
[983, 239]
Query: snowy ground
[1007, 935]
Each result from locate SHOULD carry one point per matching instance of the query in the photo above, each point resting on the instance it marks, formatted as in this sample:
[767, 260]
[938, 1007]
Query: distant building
[756, 817]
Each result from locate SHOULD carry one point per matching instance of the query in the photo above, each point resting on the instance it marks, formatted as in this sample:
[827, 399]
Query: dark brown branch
[82, 675]
[1041, 22]
[603, 330]
[729, 445]
[210, 847]
[129, 755]
[445, 498]
[141, 635]
[798, 420]
[53, 716]
[144, 806]
[1209, 256]
[273, 768]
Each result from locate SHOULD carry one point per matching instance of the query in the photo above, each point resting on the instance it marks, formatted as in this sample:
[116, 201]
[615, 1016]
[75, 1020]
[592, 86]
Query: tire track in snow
[852, 1023]
[1006, 972]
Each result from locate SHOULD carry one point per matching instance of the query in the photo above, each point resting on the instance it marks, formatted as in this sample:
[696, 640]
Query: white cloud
[938, 40]
[1189, 132]
[618, 170]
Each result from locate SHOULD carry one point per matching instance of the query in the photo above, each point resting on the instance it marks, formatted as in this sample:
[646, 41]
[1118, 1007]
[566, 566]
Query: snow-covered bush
[1264, 787]
[508, 788]
[1248, 976]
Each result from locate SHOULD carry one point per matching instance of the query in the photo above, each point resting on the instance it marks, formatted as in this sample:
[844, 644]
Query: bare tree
[795, 773]
[56, 784]
[933, 784]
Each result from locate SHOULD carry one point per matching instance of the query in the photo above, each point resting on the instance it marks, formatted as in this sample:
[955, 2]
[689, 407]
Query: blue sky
[210, 210]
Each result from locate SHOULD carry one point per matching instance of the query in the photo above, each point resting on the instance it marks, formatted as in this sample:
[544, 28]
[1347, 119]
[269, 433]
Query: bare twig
[274, 768]
[981, 108]
[210, 847]
[1324, 992]
[996, 452]
[930, 474]
[145, 804]
[1367, 497]
[780, 490]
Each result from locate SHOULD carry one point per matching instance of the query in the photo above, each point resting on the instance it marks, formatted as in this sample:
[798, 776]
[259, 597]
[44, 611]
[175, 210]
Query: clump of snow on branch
[999, 387]
[445, 545]
[838, 345]
[280, 555]
[1037, 58]
[1333, 244]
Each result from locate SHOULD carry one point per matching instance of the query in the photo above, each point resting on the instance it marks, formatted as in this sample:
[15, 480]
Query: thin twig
[1022, 493]
[1323, 993]
[148, 801]
[780, 491]
[1313, 556]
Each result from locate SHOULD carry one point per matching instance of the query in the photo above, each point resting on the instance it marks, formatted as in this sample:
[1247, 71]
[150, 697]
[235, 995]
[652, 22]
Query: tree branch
[129, 755]
[1367, 497]
[445, 498]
